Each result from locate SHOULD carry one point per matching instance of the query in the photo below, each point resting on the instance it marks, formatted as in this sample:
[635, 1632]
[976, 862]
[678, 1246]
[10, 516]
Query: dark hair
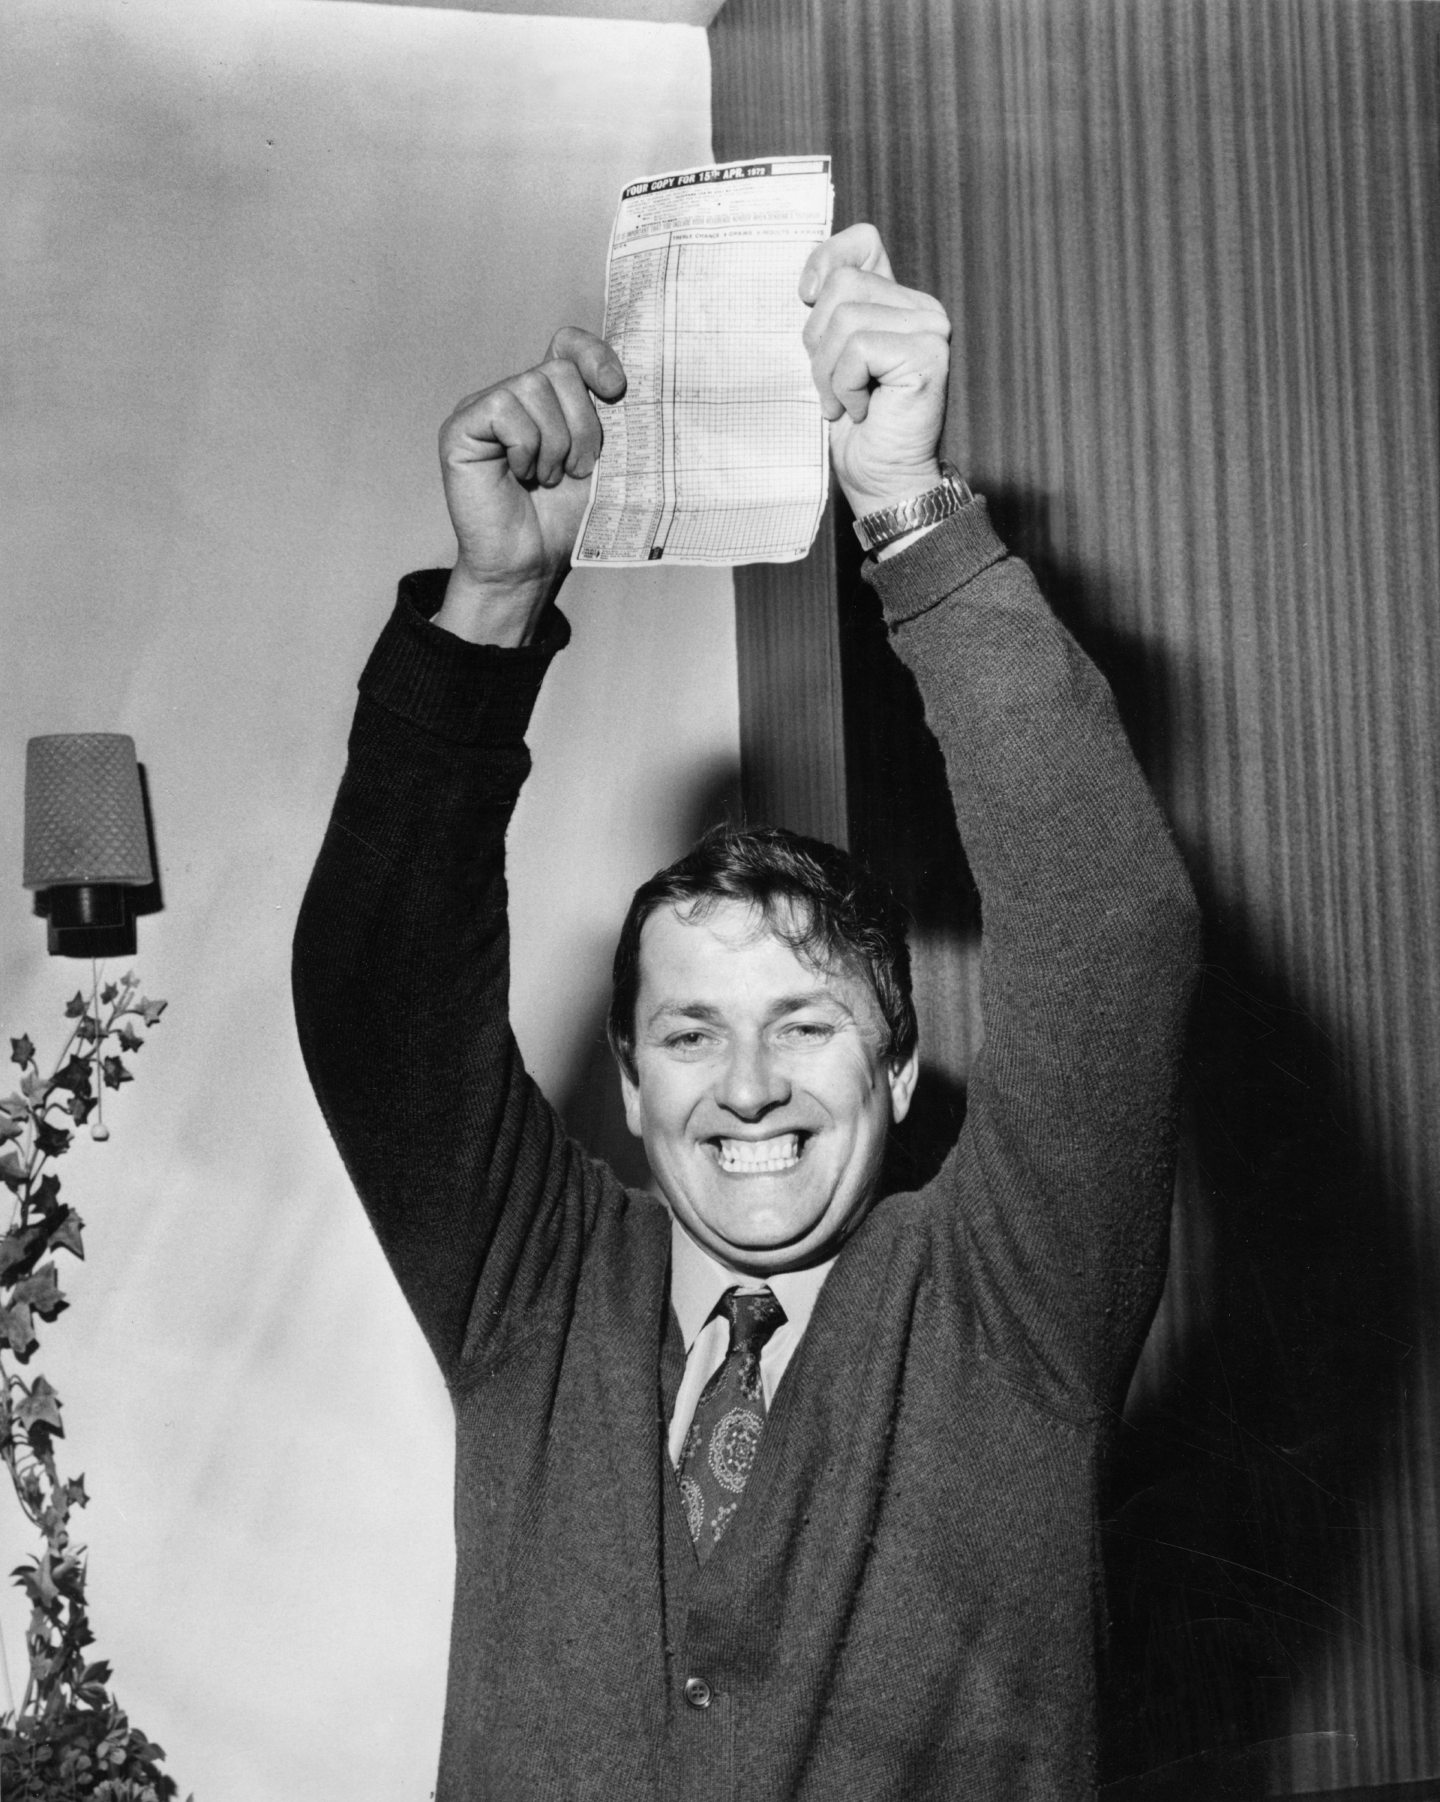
[815, 898]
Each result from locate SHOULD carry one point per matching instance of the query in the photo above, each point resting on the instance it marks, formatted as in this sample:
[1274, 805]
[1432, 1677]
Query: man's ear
[630, 1095]
[902, 1086]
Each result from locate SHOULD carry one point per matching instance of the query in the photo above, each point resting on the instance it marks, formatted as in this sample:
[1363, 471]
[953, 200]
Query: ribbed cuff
[936, 566]
[471, 694]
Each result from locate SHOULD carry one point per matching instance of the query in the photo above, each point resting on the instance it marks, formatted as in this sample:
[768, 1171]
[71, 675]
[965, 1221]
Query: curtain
[1189, 248]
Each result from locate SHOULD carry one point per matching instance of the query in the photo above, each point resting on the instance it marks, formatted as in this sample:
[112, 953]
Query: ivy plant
[69, 1737]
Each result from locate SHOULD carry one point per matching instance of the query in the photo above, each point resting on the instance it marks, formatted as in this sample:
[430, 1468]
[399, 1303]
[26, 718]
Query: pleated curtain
[1189, 248]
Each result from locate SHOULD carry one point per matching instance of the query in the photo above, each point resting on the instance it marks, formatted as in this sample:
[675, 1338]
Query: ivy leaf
[96, 1675]
[18, 1332]
[12, 1171]
[34, 1087]
[22, 1052]
[87, 1031]
[75, 1006]
[114, 1072]
[39, 1589]
[130, 1040]
[41, 1291]
[10, 1128]
[152, 1010]
[81, 1107]
[41, 1407]
[109, 992]
[66, 1235]
[51, 1140]
[74, 1075]
[19, 1251]
[77, 1498]
[43, 1195]
[13, 1249]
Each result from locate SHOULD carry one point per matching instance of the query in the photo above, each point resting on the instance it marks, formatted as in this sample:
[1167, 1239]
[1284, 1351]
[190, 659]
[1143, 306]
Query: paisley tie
[729, 1417]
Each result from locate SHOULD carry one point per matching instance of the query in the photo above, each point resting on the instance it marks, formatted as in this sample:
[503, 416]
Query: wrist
[889, 528]
[494, 612]
[904, 487]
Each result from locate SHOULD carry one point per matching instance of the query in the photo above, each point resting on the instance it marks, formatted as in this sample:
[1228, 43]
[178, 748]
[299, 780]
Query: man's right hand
[517, 459]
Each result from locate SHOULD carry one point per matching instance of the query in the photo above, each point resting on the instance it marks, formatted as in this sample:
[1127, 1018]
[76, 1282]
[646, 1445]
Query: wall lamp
[87, 850]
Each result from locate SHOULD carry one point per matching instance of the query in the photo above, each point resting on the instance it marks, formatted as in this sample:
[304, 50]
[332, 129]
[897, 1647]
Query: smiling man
[774, 1488]
[755, 1060]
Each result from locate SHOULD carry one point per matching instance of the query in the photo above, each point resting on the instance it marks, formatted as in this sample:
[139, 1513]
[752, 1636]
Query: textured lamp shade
[86, 845]
[84, 818]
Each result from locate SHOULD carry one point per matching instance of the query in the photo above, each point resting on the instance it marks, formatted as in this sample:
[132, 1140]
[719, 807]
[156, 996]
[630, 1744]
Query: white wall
[252, 253]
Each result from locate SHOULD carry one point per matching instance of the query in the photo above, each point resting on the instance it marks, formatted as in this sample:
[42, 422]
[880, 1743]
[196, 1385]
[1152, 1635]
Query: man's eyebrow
[684, 1010]
[803, 998]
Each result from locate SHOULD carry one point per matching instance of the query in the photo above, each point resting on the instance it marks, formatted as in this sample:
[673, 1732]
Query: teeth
[754, 1158]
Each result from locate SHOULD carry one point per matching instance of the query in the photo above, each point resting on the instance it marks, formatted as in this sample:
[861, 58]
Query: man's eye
[808, 1032]
[687, 1041]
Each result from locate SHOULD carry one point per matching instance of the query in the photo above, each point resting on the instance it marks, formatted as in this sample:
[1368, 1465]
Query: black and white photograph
[720, 939]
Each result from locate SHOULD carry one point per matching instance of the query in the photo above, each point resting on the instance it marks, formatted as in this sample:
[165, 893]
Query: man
[782, 1490]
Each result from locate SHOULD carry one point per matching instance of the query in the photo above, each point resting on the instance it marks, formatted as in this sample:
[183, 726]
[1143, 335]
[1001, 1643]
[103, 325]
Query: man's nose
[753, 1081]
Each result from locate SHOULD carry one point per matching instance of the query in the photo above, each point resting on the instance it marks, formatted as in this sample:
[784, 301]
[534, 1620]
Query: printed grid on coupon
[717, 453]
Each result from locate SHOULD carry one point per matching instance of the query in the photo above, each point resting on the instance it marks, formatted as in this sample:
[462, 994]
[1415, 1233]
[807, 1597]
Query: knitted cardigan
[908, 1602]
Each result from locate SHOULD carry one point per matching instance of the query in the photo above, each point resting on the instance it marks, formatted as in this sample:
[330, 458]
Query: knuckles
[840, 286]
[843, 312]
[499, 414]
[532, 387]
[845, 321]
[536, 386]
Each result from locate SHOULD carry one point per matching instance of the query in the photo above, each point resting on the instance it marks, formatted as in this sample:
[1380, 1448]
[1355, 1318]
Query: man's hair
[821, 902]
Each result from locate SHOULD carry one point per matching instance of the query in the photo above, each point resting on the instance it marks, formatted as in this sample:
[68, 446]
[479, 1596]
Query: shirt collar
[697, 1281]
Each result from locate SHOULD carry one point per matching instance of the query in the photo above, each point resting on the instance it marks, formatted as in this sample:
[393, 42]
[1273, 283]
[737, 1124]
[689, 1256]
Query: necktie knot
[753, 1314]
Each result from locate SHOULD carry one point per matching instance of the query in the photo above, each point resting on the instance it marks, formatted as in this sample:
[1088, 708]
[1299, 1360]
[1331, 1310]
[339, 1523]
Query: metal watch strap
[886, 524]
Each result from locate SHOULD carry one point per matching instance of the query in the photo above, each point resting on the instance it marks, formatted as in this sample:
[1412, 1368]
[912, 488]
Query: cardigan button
[697, 1692]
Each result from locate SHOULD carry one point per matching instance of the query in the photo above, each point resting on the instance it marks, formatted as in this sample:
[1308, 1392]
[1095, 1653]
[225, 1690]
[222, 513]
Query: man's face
[761, 1088]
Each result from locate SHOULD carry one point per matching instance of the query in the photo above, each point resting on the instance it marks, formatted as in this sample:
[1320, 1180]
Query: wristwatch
[886, 524]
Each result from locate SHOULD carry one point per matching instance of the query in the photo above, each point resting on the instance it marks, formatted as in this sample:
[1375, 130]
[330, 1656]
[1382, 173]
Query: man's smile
[759, 1157]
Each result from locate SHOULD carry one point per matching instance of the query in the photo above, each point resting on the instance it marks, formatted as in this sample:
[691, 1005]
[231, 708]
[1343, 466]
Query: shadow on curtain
[1190, 253]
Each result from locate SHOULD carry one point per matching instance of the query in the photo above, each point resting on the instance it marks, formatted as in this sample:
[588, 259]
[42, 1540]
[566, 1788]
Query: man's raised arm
[1090, 930]
[401, 968]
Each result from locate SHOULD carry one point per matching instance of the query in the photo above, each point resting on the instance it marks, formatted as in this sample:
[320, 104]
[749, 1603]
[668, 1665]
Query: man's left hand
[880, 355]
